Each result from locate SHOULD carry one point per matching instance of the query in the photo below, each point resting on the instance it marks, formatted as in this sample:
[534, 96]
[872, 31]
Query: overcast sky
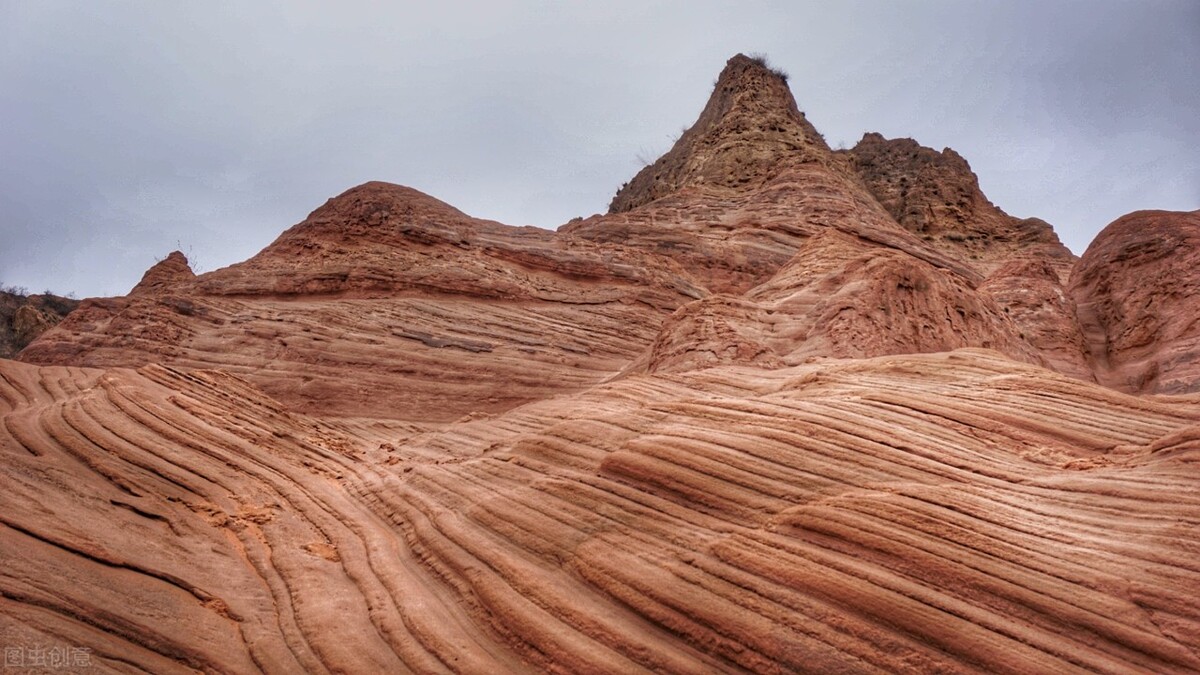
[129, 129]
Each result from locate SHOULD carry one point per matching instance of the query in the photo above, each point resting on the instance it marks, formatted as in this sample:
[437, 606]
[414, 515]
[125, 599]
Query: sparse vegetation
[761, 59]
[188, 252]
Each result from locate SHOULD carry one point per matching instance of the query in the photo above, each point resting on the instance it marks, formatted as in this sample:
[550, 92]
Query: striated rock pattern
[781, 410]
[1138, 292]
[1033, 298]
[842, 297]
[388, 303]
[953, 512]
[750, 130]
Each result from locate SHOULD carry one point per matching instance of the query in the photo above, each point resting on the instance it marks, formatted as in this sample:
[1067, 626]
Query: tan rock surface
[170, 272]
[936, 196]
[843, 297]
[389, 303]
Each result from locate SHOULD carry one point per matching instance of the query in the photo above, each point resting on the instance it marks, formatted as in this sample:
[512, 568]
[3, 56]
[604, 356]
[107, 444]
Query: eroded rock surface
[956, 512]
[936, 196]
[1138, 290]
[782, 409]
[24, 317]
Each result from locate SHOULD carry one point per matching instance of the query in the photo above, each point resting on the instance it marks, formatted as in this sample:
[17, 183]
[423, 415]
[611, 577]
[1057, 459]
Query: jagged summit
[749, 128]
[936, 196]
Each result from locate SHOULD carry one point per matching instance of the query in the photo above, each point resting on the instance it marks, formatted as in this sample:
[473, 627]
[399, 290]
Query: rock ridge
[748, 131]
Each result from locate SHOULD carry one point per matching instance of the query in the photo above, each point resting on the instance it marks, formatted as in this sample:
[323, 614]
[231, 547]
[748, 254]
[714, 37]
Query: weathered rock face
[1138, 291]
[24, 317]
[841, 297]
[1033, 298]
[936, 196]
[389, 303]
[170, 272]
[781, 410]
[743, 188]
[383, 281]
[748, 133]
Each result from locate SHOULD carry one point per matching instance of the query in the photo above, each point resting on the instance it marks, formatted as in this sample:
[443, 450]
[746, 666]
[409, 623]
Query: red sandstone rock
[842, 297]
[168, 273]
[749, 421]
[1138, 291]
[955, 512]
[936, 196]
[1032, 297]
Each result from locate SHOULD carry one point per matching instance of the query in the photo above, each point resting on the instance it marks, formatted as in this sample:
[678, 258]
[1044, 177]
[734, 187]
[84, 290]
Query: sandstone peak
[164, 274]
[936, 196]
[748, 131]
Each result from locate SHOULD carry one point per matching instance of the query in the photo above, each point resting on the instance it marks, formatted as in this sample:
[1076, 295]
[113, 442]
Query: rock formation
[1138, 292]
[936, 196]
[168, 273]
[782, 409]
[24, 317]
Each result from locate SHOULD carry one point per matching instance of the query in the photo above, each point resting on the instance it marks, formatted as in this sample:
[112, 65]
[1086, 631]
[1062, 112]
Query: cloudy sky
[129, 129]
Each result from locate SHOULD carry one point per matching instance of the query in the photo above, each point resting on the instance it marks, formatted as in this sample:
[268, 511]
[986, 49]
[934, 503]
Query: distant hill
[23, 317]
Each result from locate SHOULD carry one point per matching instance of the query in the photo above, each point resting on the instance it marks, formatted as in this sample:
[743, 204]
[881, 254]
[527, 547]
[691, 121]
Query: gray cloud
[132, 128]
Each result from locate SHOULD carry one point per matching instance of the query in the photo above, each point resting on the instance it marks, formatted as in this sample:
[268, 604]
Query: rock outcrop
[783, 409]
[954, 512]
[749, 132]
[168, 273]
[936, 196]
[24, 317]
[839, 297]
[1138, 292]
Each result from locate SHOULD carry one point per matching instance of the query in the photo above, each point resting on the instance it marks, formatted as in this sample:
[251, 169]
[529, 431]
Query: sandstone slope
[954, 512]
[387, 302]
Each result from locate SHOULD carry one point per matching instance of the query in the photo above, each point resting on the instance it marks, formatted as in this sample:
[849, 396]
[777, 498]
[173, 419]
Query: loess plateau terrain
[781, 409]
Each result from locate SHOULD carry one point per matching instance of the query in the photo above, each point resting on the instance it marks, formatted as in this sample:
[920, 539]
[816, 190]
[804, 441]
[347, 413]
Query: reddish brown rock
[936, 196]
[1138, 291]
[749, 132]
[741, 190]
[1029, 292]
[745, 422]
[954, 512]
[842, 297]
[168, 273]
[24, 317]
[389, 303]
